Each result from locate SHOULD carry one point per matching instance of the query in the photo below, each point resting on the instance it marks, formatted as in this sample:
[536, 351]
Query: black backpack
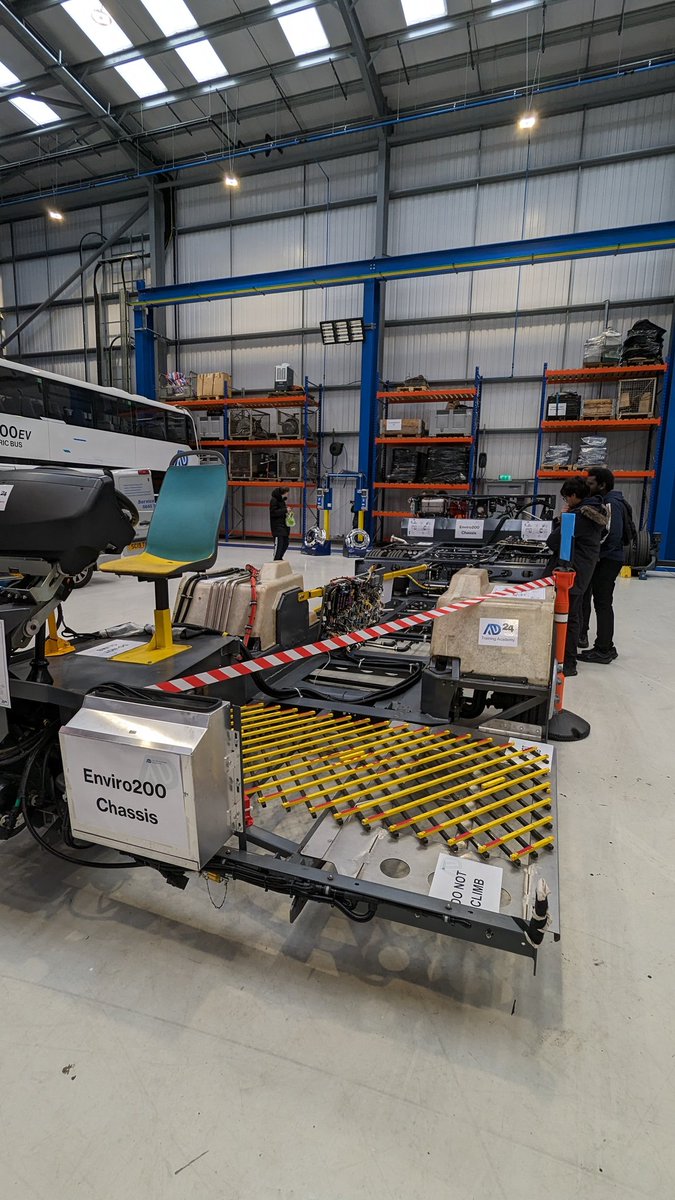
[629, 533]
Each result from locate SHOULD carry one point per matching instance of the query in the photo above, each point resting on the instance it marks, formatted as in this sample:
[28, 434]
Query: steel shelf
[628, 423]
[428, 441]
[426, 396]
[593, 374]
[256, 443]
[574, 474]
[427, 487]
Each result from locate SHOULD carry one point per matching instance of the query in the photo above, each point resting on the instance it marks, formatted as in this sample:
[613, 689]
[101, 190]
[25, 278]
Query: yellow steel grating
[469, 791]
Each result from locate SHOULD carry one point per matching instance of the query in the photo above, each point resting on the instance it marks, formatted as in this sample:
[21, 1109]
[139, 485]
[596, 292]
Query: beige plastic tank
[510, 639]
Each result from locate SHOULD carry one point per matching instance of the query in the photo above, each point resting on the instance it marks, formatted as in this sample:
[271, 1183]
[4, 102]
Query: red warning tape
[339, 642]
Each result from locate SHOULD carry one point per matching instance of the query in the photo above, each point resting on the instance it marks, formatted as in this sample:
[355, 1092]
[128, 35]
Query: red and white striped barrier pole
[342, 641]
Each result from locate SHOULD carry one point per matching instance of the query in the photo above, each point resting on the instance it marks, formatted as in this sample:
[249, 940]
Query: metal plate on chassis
[374, 856]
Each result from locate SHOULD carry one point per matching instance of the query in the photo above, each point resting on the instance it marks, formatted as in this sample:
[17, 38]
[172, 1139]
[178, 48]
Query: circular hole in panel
[394, 868]
[504, 898]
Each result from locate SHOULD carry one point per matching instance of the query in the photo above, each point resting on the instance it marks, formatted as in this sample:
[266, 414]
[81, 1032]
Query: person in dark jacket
[278, 523]
[589, 527]
[612, 558]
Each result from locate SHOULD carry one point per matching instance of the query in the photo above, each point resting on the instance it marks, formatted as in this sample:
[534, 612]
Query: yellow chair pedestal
[55, 644]
[160, 646]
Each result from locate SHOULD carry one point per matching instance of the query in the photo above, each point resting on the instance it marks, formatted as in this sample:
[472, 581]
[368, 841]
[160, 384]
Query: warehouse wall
[604, 167]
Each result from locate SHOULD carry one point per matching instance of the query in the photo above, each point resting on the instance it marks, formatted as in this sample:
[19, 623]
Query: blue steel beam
[594, 244]
[368, 412]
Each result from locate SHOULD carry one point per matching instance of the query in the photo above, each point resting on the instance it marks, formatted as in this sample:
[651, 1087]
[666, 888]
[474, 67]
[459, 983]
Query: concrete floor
[154, 1047]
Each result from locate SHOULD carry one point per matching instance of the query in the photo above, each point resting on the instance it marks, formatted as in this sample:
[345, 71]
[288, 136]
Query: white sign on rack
[5, 699]
[394, 425]
[421, 527]
[469, 529]
[536, 531]
[462, 881]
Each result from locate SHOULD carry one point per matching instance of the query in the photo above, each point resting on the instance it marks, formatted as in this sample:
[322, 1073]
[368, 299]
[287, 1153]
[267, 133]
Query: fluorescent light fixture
[304, 31]
[417, 11]
[202, 61]
[231, 181]
[97, 24]
[527, 121]
[36, 110]
[342, 332]
[55, 215]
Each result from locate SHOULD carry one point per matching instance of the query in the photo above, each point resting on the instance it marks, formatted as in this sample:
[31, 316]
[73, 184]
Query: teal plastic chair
[183, 536]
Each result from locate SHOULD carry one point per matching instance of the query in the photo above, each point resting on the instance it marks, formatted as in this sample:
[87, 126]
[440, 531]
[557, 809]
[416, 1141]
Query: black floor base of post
[566, 726]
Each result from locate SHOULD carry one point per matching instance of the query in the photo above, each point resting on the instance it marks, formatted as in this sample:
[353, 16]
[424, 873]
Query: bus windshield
[48, 418]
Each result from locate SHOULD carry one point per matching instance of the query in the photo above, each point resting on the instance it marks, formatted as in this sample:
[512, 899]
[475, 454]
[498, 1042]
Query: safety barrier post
[563, 726]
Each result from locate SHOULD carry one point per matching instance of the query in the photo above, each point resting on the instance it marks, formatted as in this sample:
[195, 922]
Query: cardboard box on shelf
[601, 409]
[637, 401]
[402, 427]
[214, 384]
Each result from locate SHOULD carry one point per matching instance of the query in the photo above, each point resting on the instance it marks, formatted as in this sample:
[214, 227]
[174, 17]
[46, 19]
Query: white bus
[53, 420]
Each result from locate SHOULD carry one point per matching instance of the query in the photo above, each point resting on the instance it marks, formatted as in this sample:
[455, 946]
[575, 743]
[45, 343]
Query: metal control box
[152, 780]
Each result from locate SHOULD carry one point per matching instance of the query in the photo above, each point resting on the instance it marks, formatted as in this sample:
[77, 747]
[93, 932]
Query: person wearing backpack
[620, 533]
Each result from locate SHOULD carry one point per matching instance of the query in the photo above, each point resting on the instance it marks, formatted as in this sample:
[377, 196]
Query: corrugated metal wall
[452, 191]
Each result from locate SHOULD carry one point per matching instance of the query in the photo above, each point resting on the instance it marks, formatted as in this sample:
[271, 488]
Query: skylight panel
[36, 110]
[97, 24]
[95, 21]
[202, 61]
[304, 31]
[174, 16]
[7, 77]
[141, 78]
[417, 11]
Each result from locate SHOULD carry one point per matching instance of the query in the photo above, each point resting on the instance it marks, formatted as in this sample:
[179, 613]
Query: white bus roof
[91, 387]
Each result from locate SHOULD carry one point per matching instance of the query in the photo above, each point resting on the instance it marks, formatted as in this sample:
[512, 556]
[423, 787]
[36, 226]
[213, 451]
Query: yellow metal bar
[438, 758]
[344, 753]
[361, 808]
[508, 837]
[264, 718]
[493, 775]
[314, 730]
[264, 732]
[467, 758]
[520, 812]
[547, 841]
[352, 767]
[478, 812]
[402, 572]
[313, 744]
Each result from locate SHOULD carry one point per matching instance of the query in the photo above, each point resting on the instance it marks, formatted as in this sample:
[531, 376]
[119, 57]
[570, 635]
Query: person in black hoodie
[612, 558]
[278, 523]
[589, 527]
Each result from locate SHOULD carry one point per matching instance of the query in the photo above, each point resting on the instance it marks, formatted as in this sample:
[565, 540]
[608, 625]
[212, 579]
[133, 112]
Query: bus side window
[67, 402]
[150, 422]
[21, 395]
[180, 429]
[113, 414]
